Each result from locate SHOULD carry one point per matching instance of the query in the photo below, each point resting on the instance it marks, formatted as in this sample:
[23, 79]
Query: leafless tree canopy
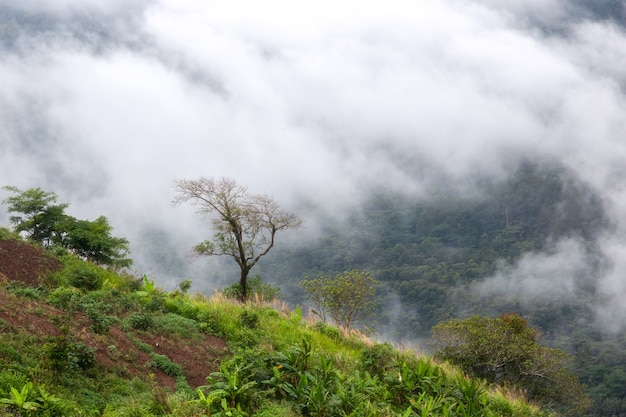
[244, 225]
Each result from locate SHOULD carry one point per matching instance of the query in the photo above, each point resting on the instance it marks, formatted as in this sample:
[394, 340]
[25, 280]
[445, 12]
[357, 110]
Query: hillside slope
[125, 348]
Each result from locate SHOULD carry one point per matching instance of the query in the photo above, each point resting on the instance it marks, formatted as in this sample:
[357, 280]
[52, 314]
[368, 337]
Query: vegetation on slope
[89, 342]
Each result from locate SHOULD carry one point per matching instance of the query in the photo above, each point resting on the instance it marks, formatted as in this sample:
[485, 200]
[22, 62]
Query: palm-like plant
[19, 402]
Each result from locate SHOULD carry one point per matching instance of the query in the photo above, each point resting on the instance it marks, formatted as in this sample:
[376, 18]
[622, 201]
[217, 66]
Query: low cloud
[313, 104]
[540, 277]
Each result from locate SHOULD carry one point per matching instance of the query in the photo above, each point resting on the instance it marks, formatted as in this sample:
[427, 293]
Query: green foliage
[66, 298]
[601, 365]
[85, 276]
[19, 401]
[164, 363]
[47, 224]
[249, 319]
[184, 286]
[22, 290]
[93, 241]
[140, 321]
[347, 299]
[36, 216]
[100, 315]
[302, 381]
[232, 387]
[378, 359]
[6, 234]
[505, 350]
[62, 354]
[177, 325]
[328, 330]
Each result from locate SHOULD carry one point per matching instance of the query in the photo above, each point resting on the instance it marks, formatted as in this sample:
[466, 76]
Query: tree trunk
[243, 284]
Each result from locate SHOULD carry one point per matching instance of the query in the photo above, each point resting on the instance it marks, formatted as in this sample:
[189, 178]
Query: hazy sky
[107, 102]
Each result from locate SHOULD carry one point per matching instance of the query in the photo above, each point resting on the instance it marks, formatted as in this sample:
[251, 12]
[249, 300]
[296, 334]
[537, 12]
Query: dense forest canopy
[424, 250]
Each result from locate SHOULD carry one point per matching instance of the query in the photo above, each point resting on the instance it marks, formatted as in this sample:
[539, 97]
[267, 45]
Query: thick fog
[107, 102]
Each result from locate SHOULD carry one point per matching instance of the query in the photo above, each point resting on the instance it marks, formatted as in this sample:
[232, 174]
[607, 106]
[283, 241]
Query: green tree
[245, 225]
[347, 299]
[93, 241]
[506, 350]
[37, 214]
[47, 224]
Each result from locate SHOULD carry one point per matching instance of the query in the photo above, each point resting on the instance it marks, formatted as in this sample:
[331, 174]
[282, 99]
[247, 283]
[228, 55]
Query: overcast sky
[107, 102]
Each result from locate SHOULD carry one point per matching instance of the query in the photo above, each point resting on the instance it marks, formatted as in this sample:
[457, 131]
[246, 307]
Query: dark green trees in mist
[37, 215]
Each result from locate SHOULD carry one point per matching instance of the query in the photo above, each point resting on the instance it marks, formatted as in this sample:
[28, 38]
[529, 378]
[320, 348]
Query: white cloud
[540, 277]
[306, 100]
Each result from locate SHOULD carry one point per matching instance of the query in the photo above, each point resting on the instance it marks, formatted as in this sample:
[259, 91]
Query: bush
[25, 291]
[328, 330]
[378, 359]
[181, 307]
[6, 234]
[246, 338]
[164, 363]
[506, 350]
[11, 378]
[85, 277]
[178, 325]
[65, 298]
[64, 355]
[98, 313]
[249, 319]
[211, 322]
[139, 321]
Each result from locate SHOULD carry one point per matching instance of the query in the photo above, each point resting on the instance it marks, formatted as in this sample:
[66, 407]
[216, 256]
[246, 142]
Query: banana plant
[18, 400]
[205, 401]
[232, 384]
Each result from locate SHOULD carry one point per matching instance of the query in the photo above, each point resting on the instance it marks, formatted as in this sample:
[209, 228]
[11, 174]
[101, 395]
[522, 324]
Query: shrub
[11, 378]
[65, 298]
[85, 277]
[378, 359]
[249, 319]
[211, 322]
[6, 234]
[98, 313]
[65, 355]
[506, 350]
[25, 291]
[181, 307]
[246, 338]
[140, 321]
[328, 330]
[164, 363]
[175, 324]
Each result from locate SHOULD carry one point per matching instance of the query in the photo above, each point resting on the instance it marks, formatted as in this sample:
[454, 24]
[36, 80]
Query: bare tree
[245, 225]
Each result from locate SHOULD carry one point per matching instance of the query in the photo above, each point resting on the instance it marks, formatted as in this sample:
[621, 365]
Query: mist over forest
[469, 153]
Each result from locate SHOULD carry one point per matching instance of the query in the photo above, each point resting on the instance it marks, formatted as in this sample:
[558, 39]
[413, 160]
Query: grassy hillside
[83, 341]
